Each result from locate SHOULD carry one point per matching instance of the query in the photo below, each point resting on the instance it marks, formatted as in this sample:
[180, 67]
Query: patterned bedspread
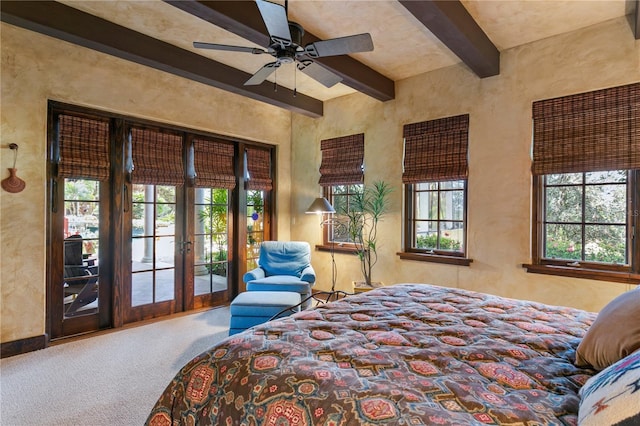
[410, 354]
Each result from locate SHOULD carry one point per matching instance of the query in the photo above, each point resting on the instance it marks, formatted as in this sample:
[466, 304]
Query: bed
[408, 354]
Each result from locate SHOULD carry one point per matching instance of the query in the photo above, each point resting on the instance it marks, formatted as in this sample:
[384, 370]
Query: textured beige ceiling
[403, 47]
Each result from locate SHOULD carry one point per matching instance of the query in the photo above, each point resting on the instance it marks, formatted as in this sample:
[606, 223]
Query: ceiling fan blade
[319, 73]
[275, 19]
[340, 46]
[214, 46]
[262, 74]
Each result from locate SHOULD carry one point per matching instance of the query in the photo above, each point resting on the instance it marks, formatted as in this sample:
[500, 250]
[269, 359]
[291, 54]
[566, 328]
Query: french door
[153, 286]
[179, 250]
[212, 250]
[78, 295]
[146, 221]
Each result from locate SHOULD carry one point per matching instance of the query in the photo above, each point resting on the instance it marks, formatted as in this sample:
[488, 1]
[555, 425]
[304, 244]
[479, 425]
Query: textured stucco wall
[499, 191]
[36, 68]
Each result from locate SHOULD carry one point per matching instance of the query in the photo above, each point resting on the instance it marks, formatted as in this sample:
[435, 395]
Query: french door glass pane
[211, 238]
[81, 246]
[153, 244]
[255, 227]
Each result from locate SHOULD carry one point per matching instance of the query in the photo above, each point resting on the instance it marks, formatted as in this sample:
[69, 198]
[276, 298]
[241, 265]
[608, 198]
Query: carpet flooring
[113, 378]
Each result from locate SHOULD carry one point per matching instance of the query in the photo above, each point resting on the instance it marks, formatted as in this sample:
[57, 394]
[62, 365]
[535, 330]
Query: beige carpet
[109, 379]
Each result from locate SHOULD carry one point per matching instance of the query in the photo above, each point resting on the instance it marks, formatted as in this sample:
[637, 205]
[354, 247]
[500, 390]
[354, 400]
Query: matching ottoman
[256, 307]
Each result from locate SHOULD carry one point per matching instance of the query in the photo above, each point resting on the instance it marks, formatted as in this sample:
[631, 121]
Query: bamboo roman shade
[83, 148]
[157, 157]
[259, 168]
[214, 164]
[436, 150]
[592, 131]
[342, 160]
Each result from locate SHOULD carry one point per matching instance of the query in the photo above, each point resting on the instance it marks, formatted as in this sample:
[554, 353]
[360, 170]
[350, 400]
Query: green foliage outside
[217, 263]
[431, 242]
[255, 205]
[213, 215]
[599, 201]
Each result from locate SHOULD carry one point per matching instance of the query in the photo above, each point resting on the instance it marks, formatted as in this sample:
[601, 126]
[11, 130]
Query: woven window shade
[436, 150]
[157, 158]
[592, 131]
[342, 160]
[214, 163]
[83, 148]
[259, 168]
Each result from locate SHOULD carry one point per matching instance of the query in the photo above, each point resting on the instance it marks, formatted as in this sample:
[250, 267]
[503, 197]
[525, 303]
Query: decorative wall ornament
[13, 183]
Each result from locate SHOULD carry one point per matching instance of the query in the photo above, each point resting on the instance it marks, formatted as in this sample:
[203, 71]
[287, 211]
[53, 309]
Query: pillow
[614, 334]
[611, 396]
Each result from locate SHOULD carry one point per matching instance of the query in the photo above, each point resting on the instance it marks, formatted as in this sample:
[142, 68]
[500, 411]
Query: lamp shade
[320, 205]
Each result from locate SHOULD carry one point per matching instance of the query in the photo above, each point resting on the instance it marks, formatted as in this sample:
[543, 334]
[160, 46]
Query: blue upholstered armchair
[283, 266]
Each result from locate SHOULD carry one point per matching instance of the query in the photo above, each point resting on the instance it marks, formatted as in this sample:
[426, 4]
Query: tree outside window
[585, 217]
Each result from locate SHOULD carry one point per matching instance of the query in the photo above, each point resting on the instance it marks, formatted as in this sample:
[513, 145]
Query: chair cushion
[279, 283]
[263, 304]
[284, 257]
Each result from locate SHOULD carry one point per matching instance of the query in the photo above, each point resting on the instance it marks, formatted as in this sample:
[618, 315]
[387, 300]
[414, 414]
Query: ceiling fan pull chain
[295, 81]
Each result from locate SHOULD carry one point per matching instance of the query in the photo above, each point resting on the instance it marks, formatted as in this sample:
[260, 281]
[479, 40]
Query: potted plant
[366, 210]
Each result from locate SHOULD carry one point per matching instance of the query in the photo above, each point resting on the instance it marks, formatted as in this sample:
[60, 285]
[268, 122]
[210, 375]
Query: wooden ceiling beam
[72, 25]
[453, 25]
[243, 19]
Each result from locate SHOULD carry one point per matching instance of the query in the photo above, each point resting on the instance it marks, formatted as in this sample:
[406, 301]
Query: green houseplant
[366, 210]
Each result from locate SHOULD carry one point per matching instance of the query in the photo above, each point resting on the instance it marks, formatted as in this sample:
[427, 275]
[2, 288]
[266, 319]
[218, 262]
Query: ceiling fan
[285, 46]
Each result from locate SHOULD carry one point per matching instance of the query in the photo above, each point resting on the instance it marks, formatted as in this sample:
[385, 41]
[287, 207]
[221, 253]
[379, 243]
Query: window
[342, 177]
[435, 178]
[437, 217]
[586, 156]
[584, 217]
[341, 198]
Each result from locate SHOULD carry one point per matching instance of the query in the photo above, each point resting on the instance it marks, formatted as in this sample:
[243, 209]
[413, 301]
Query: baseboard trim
[23, 346]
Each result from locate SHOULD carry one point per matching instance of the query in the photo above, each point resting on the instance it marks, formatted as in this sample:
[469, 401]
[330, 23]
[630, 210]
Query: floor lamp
[322, 206]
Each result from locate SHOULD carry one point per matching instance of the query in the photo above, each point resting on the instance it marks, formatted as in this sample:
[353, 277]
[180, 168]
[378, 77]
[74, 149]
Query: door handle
[185, 247]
